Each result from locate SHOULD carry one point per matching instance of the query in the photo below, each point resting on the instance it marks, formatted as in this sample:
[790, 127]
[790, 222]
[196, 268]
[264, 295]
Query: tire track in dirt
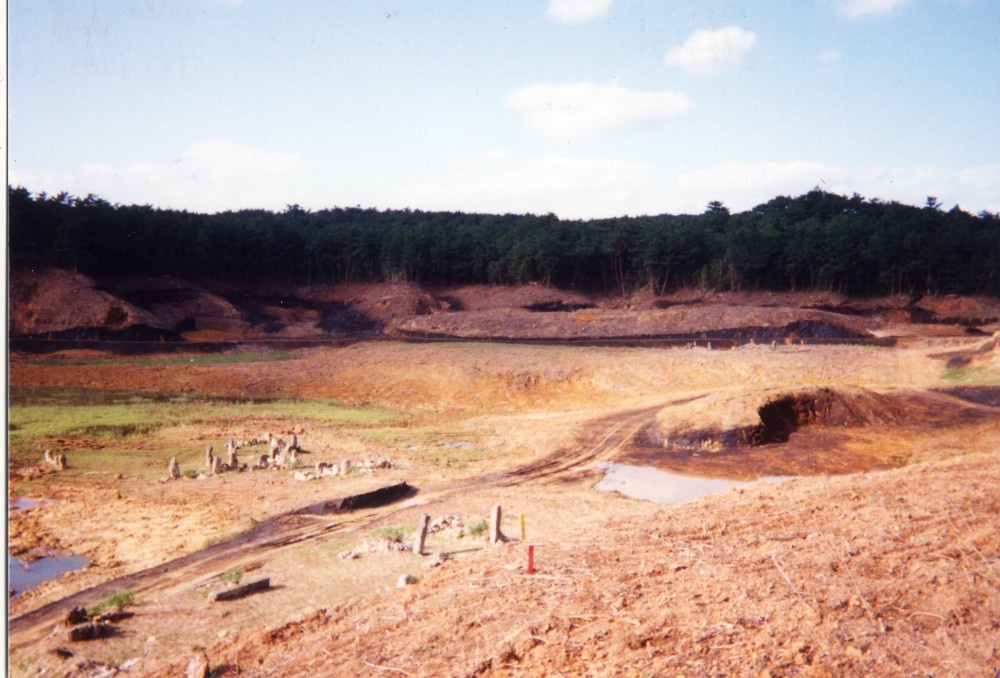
[600, 440]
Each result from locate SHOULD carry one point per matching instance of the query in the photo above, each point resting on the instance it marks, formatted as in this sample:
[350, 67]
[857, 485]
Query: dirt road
[601, 439]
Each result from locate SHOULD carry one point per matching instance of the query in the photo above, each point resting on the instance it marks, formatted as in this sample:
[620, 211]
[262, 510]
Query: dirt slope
[170, 309]
[898, 574]
[56, 301]
[892, 572]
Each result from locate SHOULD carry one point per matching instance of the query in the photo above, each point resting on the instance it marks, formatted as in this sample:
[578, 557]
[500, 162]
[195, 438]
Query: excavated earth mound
[59, 305]
[703, 322]
[747, 418]
[55, 301]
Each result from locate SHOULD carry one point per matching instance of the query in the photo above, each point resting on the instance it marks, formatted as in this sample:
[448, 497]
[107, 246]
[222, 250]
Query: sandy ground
[891, 572]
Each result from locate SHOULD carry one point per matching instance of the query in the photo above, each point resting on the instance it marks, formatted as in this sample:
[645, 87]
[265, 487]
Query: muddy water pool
[22, 503]
[660, 487]
[25, 575]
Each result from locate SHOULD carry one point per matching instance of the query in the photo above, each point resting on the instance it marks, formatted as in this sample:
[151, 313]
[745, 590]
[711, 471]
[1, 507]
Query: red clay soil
[208, 311]
[894, 573]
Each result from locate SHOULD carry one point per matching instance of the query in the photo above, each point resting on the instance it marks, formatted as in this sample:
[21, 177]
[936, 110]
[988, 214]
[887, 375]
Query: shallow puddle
[24, 576]
[22, 503]
[651, 484]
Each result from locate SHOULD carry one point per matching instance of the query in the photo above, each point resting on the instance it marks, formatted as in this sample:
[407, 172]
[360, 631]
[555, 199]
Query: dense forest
[815, 241]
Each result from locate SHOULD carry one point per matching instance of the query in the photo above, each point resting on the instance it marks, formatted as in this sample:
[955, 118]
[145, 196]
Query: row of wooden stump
[281, 453]
[56, 461]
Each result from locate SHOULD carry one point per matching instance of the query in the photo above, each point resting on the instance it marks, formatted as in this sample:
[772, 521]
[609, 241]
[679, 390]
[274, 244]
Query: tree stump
[198, 666]
[89, 632]
[420, 536]
[77, 615]
[496, 536]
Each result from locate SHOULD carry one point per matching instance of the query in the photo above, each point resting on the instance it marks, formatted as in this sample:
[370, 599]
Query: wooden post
[531, 559]
[421, 535]
[496, 536]
[522, 527]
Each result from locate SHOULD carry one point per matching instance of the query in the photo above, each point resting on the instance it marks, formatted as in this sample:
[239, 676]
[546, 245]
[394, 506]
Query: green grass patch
[84, 421]
[234, 577]
[108, 431]
[207, 359]
[973, 374]
[396, 533]
[116, 601]
[479, 528]
[94, 415]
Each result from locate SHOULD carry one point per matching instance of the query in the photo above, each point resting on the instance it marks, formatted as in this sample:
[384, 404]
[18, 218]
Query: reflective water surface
[651, 484]
[24, 576]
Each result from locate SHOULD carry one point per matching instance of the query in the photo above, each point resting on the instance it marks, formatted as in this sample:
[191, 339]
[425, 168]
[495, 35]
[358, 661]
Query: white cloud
[572, 187]
[591, 187]
[744, 185]
[577, 11]
[982, 185]
[586, 109]
[205, 176]
[710, 52]
[856, 9]
[220, 160]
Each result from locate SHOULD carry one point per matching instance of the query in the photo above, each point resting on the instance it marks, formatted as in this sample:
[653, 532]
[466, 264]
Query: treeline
[815, 241]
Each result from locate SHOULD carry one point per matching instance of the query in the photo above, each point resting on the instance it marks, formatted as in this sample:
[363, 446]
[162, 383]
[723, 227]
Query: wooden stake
[495, 534]
[421, 536]
[522, 527]
[531, 559]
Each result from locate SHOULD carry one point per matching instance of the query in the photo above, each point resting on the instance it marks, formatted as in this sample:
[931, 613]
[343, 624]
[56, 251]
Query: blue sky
[584, 108]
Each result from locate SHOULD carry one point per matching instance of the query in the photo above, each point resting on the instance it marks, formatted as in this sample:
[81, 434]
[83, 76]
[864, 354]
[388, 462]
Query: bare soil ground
[881, 557]
[168, 309]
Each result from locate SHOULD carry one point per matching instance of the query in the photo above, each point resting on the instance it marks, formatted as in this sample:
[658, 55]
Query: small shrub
[115, 601]
[190, 473]
[234, 577]
[479, 528]
[393, 533]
